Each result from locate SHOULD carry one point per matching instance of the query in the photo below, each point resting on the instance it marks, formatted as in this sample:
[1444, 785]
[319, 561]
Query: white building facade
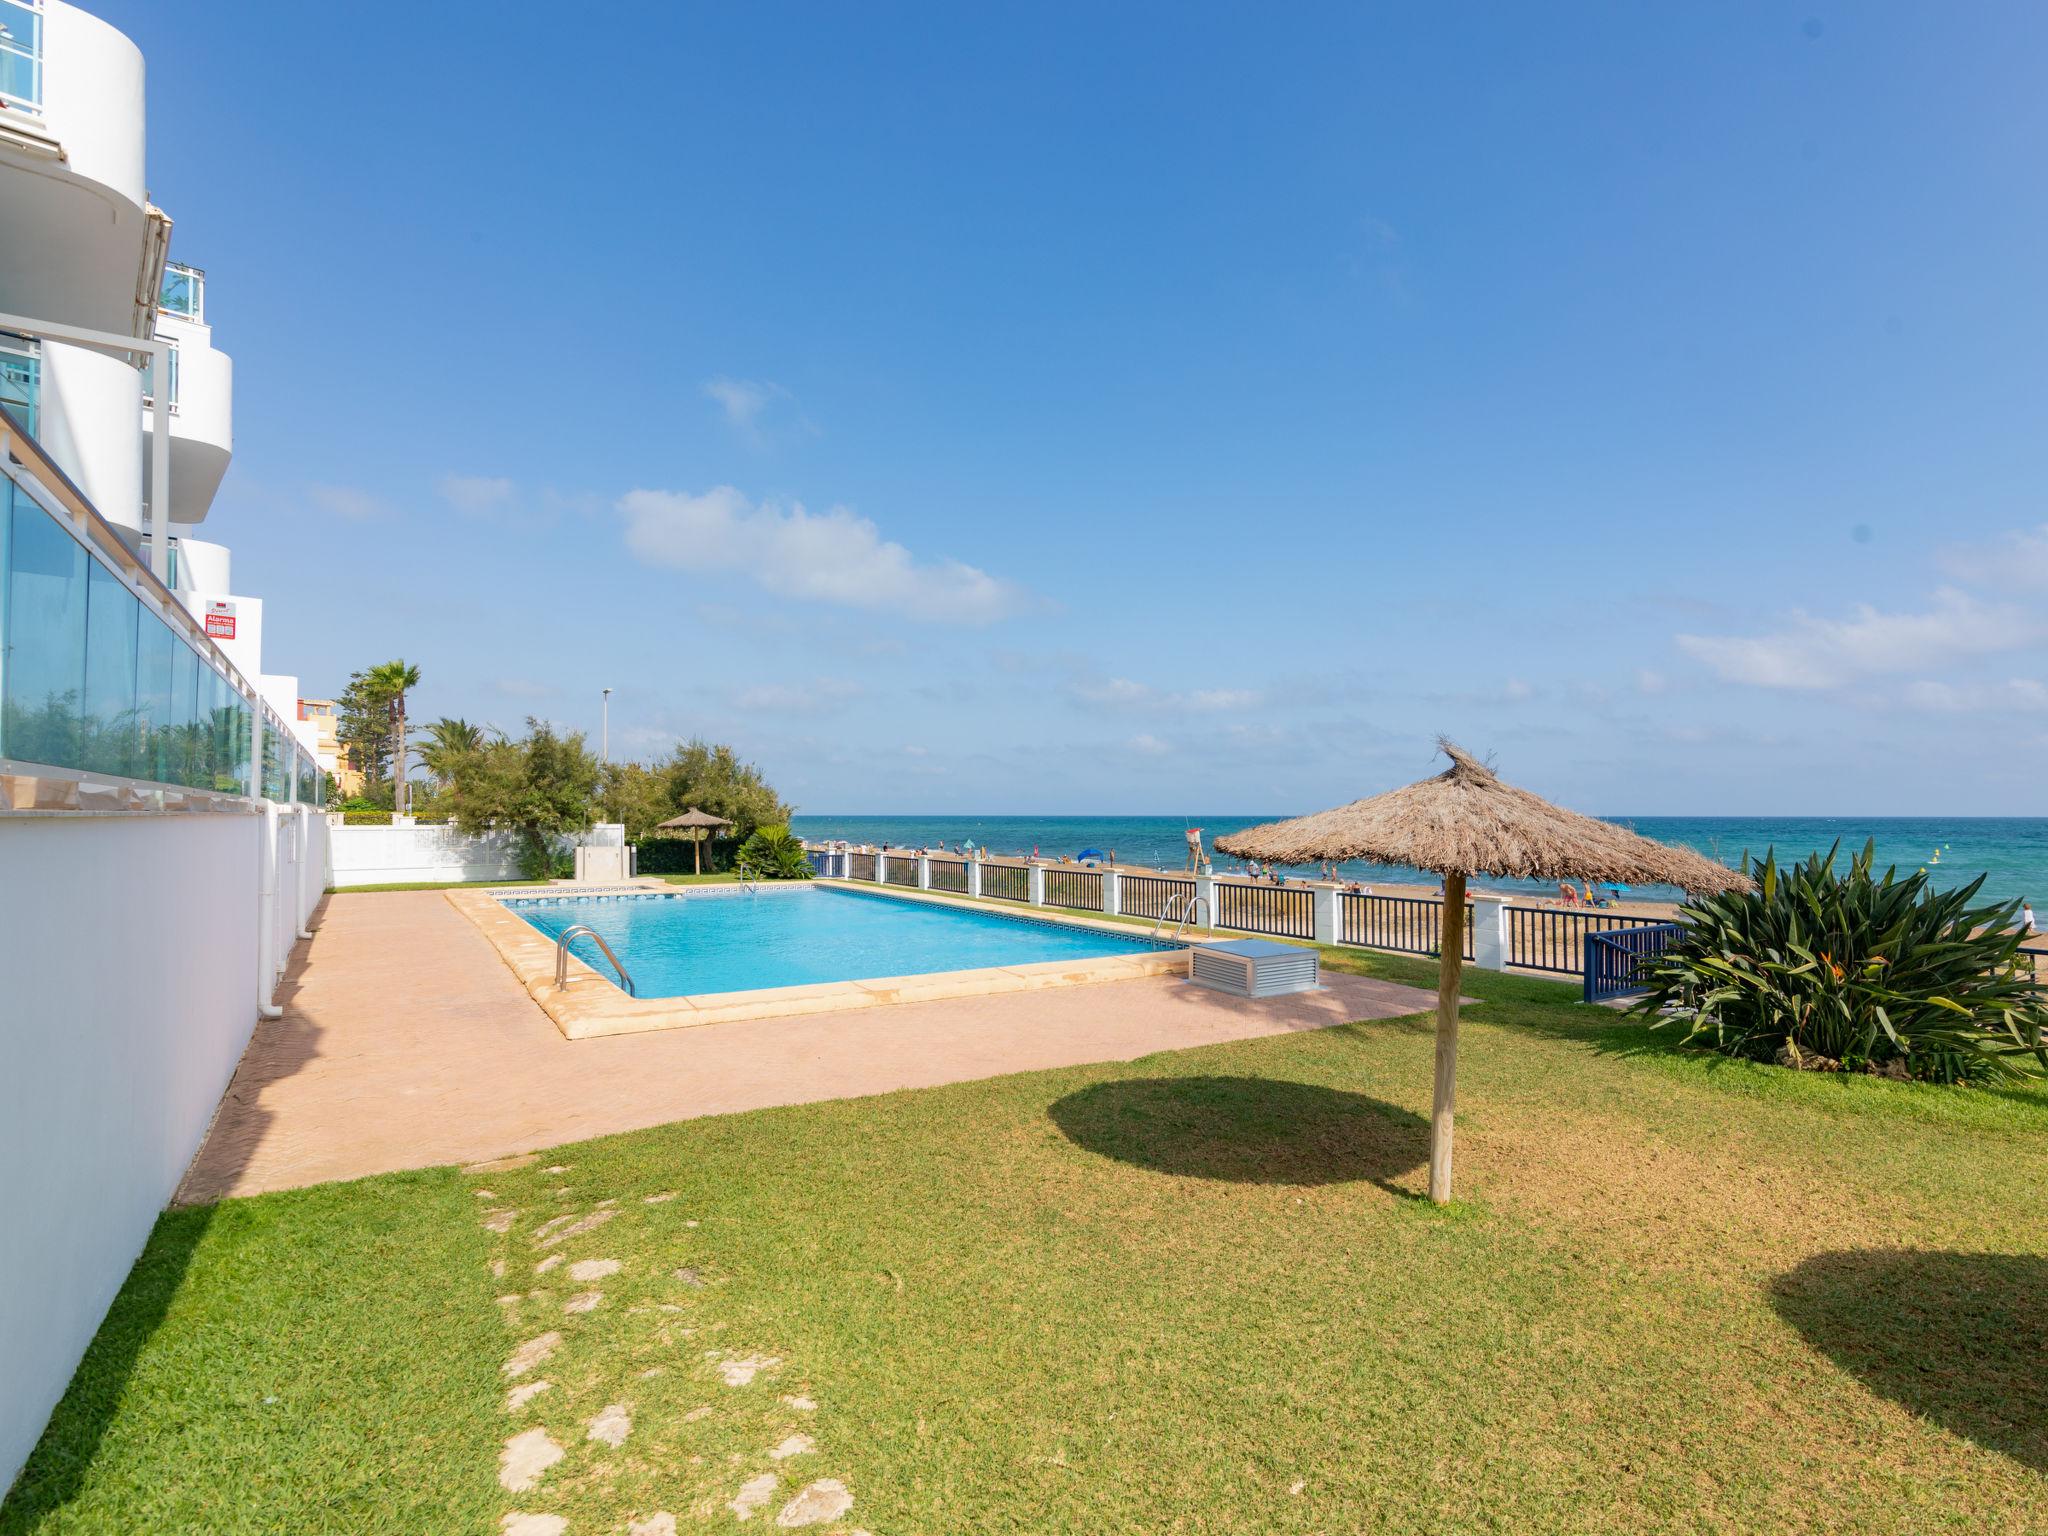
[162, 840]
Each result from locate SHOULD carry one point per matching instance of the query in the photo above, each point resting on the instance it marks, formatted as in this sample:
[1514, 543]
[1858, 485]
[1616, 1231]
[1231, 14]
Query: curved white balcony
[202, 418]
[79, 245]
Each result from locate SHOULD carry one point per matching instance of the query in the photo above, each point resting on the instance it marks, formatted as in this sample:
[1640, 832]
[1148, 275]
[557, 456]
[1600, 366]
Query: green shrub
[671, 855]
[773, 854]
[356, 818]
[1854, 972]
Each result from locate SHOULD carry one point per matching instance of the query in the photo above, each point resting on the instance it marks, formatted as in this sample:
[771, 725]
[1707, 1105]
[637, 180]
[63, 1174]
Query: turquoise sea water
[725, 941]
[2011, 852]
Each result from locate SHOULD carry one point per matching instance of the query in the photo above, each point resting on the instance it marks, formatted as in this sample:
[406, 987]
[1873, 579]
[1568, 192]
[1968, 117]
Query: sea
[2010, 852]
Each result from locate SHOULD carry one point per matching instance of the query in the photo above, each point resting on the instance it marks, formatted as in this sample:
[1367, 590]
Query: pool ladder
[1181, 910]
[577, 931]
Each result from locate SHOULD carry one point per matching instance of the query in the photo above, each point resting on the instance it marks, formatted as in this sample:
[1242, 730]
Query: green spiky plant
[773, 854]
[1856, 971]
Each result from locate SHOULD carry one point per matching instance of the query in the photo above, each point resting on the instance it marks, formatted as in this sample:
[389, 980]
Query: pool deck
[593, 1005]
[406, 1042]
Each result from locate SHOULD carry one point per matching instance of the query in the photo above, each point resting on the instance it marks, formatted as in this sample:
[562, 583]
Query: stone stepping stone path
[533, 1352]
[526, 1456]
[611, 1426]
[520, 1396]
[754, 1495]
[826, 1499]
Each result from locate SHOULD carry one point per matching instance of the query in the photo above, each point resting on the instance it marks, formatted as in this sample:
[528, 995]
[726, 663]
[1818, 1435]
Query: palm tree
[448, 740]
[391, 681]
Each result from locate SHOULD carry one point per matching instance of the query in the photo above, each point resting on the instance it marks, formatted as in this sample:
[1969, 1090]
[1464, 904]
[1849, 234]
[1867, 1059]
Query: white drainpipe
[266, 910]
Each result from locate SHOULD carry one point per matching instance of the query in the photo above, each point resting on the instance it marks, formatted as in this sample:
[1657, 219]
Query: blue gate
[1613, 956]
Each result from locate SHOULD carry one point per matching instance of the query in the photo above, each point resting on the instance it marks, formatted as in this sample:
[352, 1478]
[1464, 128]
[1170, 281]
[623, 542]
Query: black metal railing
[1006, 882]
[860, 866]
[1554, 939]
[902, 869]
[1148, 895]
[1285, 912]
[949, 875]
[1613, 958]
[1074, 888]
[1409, 925]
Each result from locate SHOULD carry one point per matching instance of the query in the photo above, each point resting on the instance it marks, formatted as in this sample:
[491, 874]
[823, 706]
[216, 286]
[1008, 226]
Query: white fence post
[1112, 892]
[1327, 926]
[1490, 950]
[974, 876]
[881, 867]
[1205, 894]
[924, 872]
[1034, 890]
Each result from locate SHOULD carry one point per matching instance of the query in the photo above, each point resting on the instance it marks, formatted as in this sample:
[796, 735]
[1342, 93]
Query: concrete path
[406, 1043]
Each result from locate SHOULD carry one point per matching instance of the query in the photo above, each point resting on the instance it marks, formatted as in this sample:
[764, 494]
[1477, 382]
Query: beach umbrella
[698, 823]
[1465, 821]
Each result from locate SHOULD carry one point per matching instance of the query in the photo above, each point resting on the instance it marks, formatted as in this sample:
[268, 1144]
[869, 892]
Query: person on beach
[2027, 918]
[1567, 893]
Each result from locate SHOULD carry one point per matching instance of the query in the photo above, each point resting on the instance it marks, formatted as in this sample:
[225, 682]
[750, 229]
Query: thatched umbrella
[697, 822]
[1466, 821]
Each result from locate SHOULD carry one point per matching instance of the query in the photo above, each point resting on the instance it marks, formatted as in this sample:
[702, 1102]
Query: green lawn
[1192, 1293]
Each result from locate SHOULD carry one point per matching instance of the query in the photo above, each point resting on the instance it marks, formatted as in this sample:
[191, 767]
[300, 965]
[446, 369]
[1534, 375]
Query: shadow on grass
[63, 1458]
[1246, 1130]
[1961, 1339]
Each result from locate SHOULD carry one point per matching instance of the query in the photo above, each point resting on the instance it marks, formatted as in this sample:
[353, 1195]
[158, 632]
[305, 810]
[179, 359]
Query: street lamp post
[605, 738]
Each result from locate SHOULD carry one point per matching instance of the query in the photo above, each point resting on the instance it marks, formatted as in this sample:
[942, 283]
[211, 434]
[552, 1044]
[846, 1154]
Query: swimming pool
[727, 940]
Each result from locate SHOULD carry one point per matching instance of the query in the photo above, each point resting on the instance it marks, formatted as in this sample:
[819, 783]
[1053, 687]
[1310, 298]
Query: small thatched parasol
[1465, 821]
[697, 823]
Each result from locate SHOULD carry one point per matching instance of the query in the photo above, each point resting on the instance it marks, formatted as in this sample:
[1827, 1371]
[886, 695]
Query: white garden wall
[130, 991]
[400, 855]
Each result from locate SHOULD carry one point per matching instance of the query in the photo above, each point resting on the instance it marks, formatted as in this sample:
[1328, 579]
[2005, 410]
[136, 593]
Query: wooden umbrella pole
[697, 852]
[1450, 973]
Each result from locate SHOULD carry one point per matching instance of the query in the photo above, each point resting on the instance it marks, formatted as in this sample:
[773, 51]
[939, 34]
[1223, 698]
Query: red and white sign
[220, 621]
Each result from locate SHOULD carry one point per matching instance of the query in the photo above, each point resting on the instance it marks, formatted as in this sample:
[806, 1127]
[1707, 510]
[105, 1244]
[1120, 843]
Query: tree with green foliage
[390, 682]
[540, 789]
[448, 740]
[637, 797]
[1853, 972]
[712, 778]
[362, 725]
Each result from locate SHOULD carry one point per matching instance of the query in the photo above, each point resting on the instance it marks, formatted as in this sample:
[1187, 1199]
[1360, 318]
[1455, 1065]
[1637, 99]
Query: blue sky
[1150, 409]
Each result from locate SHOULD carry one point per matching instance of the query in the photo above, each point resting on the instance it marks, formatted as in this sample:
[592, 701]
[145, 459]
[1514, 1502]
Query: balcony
[21, 55]
[21, 380]
[201, 385]
[183, 293]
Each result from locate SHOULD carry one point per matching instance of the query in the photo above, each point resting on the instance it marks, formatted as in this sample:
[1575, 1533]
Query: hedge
[672, 855]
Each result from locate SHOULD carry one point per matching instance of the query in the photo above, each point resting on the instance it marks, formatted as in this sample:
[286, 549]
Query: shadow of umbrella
[1245, 1130]
[1961, 1339]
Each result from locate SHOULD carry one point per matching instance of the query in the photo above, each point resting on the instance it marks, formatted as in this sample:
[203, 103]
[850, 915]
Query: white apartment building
[161, 834]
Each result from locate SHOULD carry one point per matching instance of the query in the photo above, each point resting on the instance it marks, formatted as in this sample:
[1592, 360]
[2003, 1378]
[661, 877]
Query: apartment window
[21, 54]
[149, 378]
[21, 375]
[183, 293]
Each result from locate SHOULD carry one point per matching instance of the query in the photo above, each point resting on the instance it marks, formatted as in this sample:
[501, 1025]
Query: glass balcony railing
[21, 381]
[21, 54]
[183, 293]
[149, 379]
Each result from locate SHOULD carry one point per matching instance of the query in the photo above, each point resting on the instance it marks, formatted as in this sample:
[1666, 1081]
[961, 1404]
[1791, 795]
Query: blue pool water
[728, 941]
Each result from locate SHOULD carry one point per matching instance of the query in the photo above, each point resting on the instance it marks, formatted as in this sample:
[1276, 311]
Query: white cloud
[835, 556]
[1517, 690]
[1124, 693]
[2016, 561]
[742, 400]
[1145, 744]
[1649, 681]
[347, 502]
[475, 494]
[1826, 653]
[2017, 695]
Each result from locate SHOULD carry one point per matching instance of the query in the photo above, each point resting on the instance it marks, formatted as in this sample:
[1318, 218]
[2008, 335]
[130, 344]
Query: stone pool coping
[592, 1005]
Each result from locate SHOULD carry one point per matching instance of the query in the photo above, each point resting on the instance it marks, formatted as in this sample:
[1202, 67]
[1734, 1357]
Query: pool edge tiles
[593, 1005]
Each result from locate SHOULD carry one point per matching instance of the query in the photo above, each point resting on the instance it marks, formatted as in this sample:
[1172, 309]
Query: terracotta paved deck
[407, 1043]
